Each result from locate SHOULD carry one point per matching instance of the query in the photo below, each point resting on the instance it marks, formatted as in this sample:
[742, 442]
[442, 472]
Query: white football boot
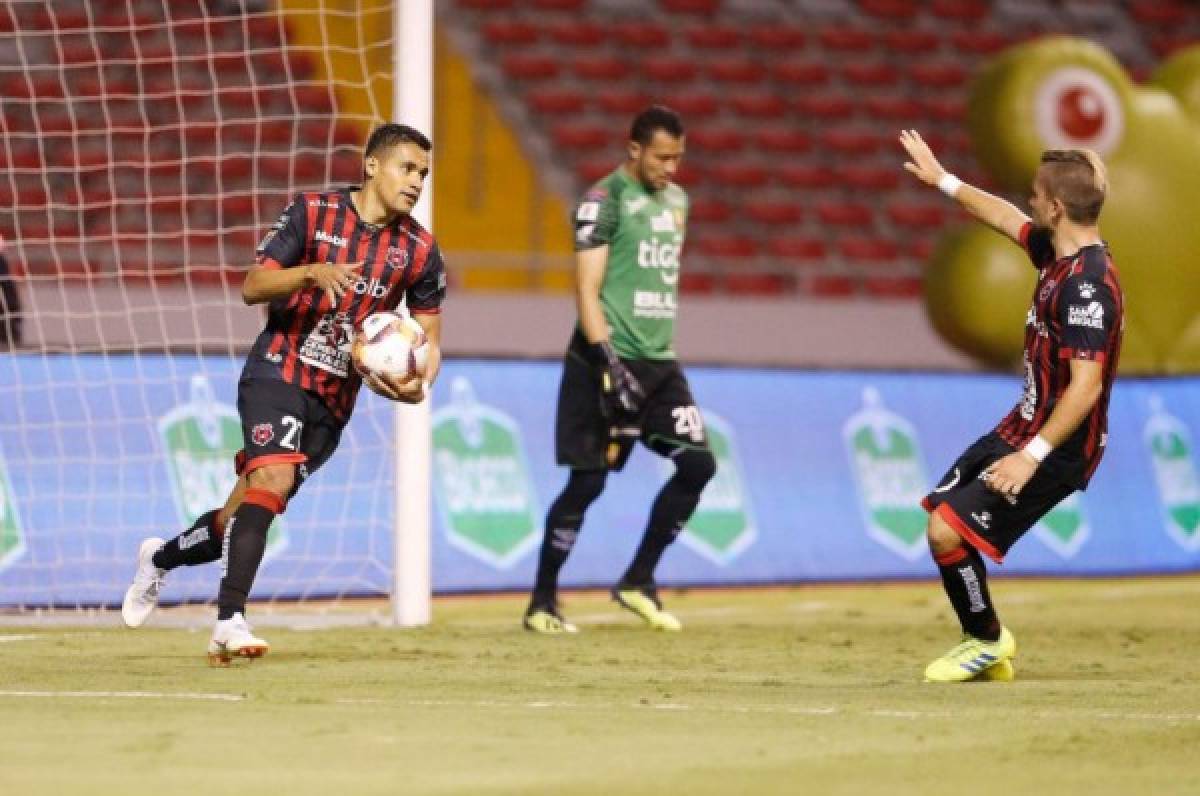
[141, 598]
[231, 639]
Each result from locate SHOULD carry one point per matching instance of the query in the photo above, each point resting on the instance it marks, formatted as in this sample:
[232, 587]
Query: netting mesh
[146, 145]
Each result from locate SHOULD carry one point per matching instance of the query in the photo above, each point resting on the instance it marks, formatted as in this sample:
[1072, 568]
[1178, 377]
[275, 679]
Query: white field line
[125, 695]
[794, 710]
[26, 637]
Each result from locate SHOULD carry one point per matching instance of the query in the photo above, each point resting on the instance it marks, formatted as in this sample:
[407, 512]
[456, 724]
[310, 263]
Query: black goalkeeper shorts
[282, 423]
[586, 440]
[986, 520]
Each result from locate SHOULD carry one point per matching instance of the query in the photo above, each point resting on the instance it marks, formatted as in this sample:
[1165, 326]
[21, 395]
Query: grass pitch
[810, 690]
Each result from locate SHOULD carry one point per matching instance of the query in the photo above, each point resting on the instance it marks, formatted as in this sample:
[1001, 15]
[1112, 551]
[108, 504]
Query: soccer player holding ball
[330, 261]
[621, 381]
[1049, 445]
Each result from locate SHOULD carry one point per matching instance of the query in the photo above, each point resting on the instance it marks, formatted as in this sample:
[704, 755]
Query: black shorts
[988, 521]
[668, 422]
[283, 423]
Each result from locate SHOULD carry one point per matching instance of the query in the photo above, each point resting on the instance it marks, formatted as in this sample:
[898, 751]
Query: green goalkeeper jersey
[644, 234]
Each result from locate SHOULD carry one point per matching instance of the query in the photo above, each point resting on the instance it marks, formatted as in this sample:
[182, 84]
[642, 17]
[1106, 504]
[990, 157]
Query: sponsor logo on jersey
[1086, 290]
[665, 256]
[262, 433]
[652, 304]
[663, 222]
[1091, 316]
[373, 288]
[328, 345]
[321, 236]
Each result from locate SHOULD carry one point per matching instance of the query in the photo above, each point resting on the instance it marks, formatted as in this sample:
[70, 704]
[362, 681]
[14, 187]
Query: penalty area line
[126, 695]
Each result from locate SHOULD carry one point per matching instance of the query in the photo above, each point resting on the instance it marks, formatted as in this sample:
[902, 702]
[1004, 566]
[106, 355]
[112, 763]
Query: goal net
[146, 146]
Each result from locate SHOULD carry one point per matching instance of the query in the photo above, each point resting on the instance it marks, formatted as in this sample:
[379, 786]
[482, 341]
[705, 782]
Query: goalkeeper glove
[620, 391]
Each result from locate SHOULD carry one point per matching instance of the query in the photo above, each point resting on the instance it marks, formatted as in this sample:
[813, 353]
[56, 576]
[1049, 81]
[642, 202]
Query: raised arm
[997, 213]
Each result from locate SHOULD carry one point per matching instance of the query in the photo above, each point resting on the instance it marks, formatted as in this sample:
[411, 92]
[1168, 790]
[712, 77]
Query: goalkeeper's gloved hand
[620, 391]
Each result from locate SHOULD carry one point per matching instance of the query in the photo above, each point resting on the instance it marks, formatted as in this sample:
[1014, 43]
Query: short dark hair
[653, 119]
[1078, 179]
[386, 136]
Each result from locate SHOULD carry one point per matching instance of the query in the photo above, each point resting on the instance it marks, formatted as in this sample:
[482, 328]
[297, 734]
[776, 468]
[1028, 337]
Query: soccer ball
[392, 344]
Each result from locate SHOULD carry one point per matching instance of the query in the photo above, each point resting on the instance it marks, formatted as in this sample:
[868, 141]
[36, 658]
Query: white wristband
[1038, 448]
[949, 184]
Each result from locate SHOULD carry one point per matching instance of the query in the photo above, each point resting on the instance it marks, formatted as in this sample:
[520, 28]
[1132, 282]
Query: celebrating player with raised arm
[1049, 445]
[330, 260]
[621, 380]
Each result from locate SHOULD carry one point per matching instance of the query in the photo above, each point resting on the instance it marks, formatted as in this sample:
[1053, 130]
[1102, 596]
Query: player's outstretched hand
[922, 164]
[334, 278]
[407, 391]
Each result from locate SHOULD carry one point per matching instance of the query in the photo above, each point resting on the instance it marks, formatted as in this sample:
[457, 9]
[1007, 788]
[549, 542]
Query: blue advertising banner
[819, 477]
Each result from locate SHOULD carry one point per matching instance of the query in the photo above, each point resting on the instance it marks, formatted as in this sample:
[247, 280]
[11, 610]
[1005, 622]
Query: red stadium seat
[847, 39]
[519, 66]
[800, 73]
[800, 249]
[694, 104]
[736, 70]
[556, 101]
[582, 136]
[739, 175]
[666, 69]
[697, 282]
[869, 250]
[974, 42]
[762, 105]
[785, 139]
[946, 109]
[899, 287]
[559, 5]
[591, 171]
[755, 284]
[577, 33]
[843, 213]
[825, 106]
[890, 10]
[1165, 13]
[623, 102]
[499, 31]
[918, 216]
[690, 175]
[641, 35]
[775, 37]
[801, 175]
[939, 75]
[774, 213]
[870, 178]
[709, 211]
[714, 37]
[731, 246]
[870, 74]
[690, 6]
[486, 5]
[972, 11]
[891, 107]
[909, 42]
[830, 286]
[602, 68]
[851, 142]
[716, 139]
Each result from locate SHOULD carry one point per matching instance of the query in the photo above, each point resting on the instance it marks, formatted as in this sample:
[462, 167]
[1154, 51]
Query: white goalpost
[146, 147]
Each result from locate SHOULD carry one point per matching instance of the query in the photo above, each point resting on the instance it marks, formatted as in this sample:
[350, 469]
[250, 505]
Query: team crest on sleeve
[262, 433]
[588, 211]
[1086, 290]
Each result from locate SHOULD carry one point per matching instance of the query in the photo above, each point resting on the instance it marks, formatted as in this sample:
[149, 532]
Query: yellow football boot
[971, 657]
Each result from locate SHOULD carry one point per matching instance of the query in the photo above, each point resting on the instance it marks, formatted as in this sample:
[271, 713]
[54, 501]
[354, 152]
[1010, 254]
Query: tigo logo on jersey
[322, 236]
[262, 434]
[1091, 316]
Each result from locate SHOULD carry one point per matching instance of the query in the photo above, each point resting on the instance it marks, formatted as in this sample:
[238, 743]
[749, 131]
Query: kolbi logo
[1169, 444]
[889, 472]
[200, 439]
[481, 480]
[373, 288]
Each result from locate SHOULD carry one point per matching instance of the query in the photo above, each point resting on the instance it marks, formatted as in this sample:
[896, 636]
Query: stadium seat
[726, 246]
[843, 214]
[604, 68]
[773, 213]
[697, 282]
[713, 37]
[782, 139]
[735, 69]
[666, 69]
[591, 171]
[829, 286]
[1164, 13]
[519, 66]
[877, 73]
[825, 106]
[850, 141]
[775, 37]
[796, 249]
[558, 5]
[556, 101]
[946, 109]
[895, 287]
[695, 104]
[717, 140]
[581, 136]
[977, 42]
[966, 11]
[854, 40]
[486, 5]
[709, 211]
[805, 176]
[756, 284]
[938, 75]
[641, 35]
[909, 42]
[800, 73]
[624, 102]
[760, 105]
[870, 178]
[891, 108]
[577, 33]
[736, 174]
[707, 7]
[927, 216]
[869, 250]
[510, 32]
[890, 11]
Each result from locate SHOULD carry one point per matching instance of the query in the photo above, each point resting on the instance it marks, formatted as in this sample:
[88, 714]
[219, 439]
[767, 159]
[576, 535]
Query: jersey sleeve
[1087, 311]
[1039, 245]
[426, 294]
[595, 219]
[285, 242]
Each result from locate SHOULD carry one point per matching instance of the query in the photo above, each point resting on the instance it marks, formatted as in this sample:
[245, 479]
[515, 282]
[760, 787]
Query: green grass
[811, 690]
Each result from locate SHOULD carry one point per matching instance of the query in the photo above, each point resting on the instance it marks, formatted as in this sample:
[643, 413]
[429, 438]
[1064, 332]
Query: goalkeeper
[621, 382]
[330, 260]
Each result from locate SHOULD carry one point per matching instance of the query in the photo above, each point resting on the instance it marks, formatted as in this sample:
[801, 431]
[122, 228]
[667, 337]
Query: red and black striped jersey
[1078, 312]
[307, 337]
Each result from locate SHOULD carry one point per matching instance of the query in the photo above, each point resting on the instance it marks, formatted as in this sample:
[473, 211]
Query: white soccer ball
[392, 344]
